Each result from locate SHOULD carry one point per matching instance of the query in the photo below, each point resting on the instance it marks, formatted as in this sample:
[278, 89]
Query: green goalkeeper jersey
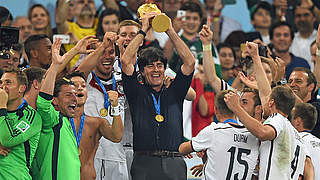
[19, 131]
[57, 155]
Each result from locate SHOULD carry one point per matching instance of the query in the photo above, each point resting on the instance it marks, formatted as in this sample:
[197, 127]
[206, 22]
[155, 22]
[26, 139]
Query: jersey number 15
[232, 150]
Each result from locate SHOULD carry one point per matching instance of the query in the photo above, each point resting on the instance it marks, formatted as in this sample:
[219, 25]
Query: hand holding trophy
[160, 22]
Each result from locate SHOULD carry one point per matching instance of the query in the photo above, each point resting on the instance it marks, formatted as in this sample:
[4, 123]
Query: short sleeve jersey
[284, 156]
[313, 146]
[107, 150]
[231, 149]
[19, 131]
[57, 155]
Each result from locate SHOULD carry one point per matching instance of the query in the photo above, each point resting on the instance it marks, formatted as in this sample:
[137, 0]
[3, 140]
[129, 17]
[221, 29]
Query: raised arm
[113, 133]
[112, 4]
[208, 64]
[183, 51]
[47, 85]
[80, 48]
[130, 54]
[89, 62]
[262, 132]
[261, 77]
[61, 16]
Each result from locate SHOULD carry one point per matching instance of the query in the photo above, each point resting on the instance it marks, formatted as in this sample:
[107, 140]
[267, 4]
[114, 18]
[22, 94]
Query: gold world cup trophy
[159, 23]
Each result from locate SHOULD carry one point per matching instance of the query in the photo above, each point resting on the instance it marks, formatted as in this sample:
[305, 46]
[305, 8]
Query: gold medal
[103, 112]
[159, 118]
[79, 151]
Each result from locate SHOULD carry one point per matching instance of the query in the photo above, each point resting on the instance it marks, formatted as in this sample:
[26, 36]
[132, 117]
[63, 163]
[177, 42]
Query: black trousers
[146, 167]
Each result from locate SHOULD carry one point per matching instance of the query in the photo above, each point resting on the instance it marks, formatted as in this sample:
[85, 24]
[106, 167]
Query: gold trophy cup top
[160, 23]
[145, 8]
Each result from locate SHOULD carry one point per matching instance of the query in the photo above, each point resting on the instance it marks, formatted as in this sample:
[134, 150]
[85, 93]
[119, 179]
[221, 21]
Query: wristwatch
[282, 81]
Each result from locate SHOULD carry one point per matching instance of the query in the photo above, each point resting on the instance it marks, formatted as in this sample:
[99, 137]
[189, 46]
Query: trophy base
[160, 23]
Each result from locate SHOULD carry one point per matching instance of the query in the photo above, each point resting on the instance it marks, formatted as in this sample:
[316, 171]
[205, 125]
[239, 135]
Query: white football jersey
[313, 147]
[284, 156]
[95, 102]
[232, 151]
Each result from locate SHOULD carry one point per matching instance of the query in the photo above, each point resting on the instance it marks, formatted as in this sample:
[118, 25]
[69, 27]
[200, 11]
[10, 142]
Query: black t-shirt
[148, 134]
[316, 130]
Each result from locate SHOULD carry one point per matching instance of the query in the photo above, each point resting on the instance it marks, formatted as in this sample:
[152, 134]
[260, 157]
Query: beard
[86, 11]
[304, 26]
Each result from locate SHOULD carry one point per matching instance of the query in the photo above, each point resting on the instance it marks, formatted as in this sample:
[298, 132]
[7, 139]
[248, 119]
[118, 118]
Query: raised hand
[281, 67]
[232, 100]
[251, 83]
[113, 98]
[252, 49]
[145, 21]
[56, 58]
[109, 39]
[81, 46]
[206, 34]
[3, 98]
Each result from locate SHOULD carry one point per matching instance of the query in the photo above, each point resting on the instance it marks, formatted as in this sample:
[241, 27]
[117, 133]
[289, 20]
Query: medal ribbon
[106, 98]
[22, 104]
[230, 120]
[156, 104]
[78, 137]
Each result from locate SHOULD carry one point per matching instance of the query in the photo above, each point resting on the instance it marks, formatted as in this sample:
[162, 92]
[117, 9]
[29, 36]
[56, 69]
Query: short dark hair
[261, 5]
[107, 12]
[311, 79]
[256, 97]
[76, 74]
[284, 99]
[34, 73]
[225, 45]
[31, 43]
[221, 105]
[308, 114]
[150, 55]
[278, 24]
[235, 38]
[59, 83]
[193, 7]
[21, 76]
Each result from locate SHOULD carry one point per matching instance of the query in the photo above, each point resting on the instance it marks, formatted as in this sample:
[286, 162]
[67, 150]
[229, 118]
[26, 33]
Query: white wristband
[318, 52]
[115, 111]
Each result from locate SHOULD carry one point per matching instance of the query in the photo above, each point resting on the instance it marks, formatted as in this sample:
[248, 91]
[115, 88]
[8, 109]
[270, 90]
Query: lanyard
[106, 98]
[230, 120]
[78, 137]
[22, 104]
[156, 104]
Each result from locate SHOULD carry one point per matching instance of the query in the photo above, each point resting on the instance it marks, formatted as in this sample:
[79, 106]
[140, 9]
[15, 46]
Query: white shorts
[110, 170]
